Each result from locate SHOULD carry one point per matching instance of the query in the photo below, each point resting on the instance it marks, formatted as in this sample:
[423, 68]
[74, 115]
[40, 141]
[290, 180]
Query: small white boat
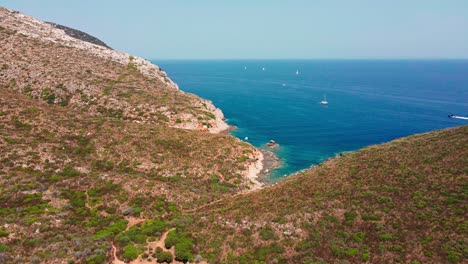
[246, 138]
[284, 84]
[324, 101]
[297, 72]
[263, 69]
[245, 67]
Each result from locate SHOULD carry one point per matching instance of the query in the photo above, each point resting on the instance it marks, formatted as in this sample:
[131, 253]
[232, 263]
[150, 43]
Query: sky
[266, 29]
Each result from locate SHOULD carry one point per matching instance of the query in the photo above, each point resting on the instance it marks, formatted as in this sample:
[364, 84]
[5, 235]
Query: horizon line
[350, 59]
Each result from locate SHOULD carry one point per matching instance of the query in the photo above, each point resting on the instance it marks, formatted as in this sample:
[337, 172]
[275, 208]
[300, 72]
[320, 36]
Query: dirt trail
[132, 221]
[87, 201]
[115, 259]
[160, 242]
[217, 201]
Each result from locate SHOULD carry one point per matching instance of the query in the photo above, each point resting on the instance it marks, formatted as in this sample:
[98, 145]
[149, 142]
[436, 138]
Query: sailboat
[324, 101]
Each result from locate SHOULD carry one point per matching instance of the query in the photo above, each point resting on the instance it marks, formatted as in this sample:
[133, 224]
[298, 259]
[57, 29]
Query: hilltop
[104, 160]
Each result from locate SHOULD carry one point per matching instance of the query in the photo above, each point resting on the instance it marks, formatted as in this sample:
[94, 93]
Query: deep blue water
[370, 102]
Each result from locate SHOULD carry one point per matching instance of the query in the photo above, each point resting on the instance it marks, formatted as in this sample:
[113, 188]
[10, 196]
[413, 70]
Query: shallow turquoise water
[370, 102]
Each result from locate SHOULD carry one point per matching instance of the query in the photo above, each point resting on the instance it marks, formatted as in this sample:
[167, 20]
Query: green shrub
[384, 199]
[129, 252]
[275, 247]
[453, 256]
[164, 257]
[359, 236]
[371, 217]
[352, 252]
[55, 178]
[68, 171]
[349, 217]
[3, 233]
[386, 237]
[182, 243]
[96, 259]
[4, 248]
[113, 229]
[267, 234]
[183, 250]
[171, 239]
[153, 227]
[365, 256]
[133, 234]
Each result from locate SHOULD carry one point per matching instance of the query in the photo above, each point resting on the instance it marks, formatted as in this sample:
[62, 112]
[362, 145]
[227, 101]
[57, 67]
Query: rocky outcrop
[78, 34]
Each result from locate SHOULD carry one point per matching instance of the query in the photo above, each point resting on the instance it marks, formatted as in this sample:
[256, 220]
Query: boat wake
[458, 117]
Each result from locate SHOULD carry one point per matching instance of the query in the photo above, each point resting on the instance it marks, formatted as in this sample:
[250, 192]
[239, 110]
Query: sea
[369, 101]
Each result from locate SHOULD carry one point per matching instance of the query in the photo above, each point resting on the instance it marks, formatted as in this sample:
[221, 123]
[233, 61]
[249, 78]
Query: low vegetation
[404, 201]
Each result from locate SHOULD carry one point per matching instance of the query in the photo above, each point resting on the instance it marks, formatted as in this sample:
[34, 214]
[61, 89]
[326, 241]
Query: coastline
[254, 169]
[262, 162]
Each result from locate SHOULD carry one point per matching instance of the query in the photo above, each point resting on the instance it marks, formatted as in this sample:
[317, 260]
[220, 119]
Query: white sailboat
[324, 101]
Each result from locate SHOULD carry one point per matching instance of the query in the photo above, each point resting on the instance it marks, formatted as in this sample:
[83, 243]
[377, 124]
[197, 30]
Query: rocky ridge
[78, 34]
[51, 38]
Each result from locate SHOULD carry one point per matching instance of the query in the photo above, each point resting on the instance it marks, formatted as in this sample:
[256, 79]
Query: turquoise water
[370, 102]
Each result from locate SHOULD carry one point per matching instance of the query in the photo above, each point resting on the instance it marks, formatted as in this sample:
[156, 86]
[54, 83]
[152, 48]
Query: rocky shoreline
[261, 163]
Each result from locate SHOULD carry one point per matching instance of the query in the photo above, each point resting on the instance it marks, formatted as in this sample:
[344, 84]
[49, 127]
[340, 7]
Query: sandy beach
[255, 169]
[263, 161]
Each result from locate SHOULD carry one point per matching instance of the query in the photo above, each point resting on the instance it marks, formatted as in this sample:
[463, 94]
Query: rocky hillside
[92, 145]
[43, 62]
[400, 202]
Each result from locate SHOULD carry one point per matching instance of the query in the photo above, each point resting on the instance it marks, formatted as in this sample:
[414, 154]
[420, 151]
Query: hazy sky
[210, 29]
